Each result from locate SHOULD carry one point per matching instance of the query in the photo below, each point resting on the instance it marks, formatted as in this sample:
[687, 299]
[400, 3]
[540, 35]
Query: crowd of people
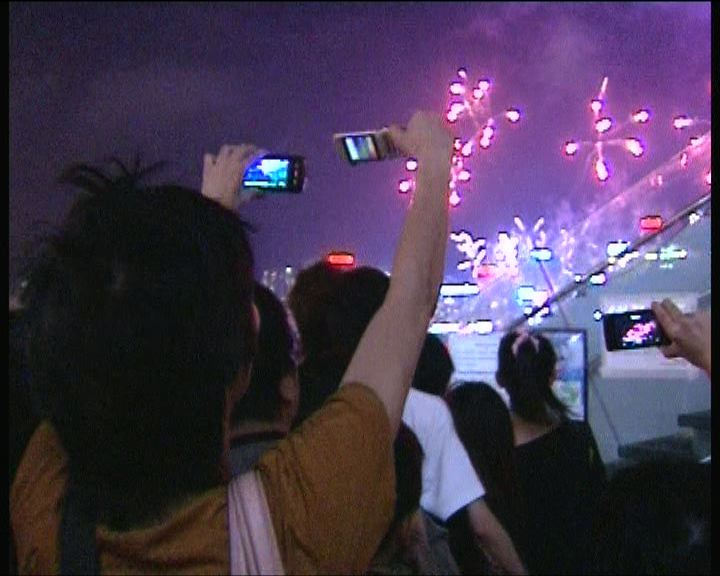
[169, 414]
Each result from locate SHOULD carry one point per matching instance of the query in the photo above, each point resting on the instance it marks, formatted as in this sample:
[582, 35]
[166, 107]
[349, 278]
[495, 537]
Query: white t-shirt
[449, 481]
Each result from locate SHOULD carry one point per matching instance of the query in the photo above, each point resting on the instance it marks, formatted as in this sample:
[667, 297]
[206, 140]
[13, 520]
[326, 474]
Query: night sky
[172, 81]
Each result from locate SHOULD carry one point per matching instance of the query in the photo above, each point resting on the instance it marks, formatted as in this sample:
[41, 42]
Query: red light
[651, 223]
[341, 259]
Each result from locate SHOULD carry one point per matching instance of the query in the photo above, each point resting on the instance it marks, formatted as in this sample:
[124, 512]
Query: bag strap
[253, 546]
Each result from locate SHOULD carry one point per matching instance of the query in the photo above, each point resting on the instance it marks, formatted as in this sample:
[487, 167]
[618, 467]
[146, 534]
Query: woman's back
[562, 477]
[558, 466]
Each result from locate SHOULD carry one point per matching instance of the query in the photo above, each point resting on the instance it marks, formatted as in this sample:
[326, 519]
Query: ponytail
[526, 363]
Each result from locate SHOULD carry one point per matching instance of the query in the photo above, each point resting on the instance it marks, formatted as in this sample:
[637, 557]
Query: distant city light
[444, 327]
[672, 253]
[598, 279]
[651, 223]
[541, 254]
[479, 327]
[341, 259]
[617, 247]
[525, 293]
[459, 290]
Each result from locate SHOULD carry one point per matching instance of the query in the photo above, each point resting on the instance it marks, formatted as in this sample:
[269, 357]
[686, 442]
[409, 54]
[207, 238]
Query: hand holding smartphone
[275, 173]
[632, 330]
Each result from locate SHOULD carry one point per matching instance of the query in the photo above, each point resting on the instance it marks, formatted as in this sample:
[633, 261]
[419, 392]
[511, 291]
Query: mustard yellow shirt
[330, 487]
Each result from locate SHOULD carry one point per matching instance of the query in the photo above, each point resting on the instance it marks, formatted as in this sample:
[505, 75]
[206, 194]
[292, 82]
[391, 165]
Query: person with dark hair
[142, 339]
[655, 518]
[435, 367]
[559, 468]
[405, 549]
[450, 483]
[322, 363]
[265, 413]
[309, 293]
[483, 424]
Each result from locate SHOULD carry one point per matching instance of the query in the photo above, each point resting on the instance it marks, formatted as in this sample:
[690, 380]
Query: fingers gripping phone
[275, 173]
[368, 146]
[632, 330]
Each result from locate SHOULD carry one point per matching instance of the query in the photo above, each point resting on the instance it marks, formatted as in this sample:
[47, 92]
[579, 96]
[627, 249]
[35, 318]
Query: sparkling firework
[683, 122]
[602, 126]
[471, 102]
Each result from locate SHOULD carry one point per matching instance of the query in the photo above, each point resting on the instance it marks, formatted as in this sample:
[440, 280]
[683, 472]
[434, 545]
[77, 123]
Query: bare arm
[690, 334]
[387, 354]
[493, 539]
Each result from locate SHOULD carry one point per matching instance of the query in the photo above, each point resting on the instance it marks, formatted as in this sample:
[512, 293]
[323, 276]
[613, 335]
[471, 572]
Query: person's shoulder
[426, 401]
[425, 407]
[578, 430]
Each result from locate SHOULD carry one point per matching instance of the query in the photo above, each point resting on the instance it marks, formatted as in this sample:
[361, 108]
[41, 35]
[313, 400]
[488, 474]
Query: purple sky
[174, 80]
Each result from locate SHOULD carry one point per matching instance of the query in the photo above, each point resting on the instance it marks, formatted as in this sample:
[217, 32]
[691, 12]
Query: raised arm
[492, 538]
[388, 352]
[689, 333]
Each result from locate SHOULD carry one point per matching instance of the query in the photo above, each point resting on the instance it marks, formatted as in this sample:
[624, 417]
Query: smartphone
[368, 146]
[633, 329]
[276, 173]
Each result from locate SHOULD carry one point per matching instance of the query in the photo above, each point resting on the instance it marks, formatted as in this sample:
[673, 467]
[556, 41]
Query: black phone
[633, 329]
[275, 173]
[368, 146]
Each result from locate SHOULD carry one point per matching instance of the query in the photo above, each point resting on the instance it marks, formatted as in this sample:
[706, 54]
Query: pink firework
[603, 125]
[467, 101]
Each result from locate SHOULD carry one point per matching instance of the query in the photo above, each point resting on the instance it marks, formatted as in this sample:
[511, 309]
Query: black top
[561, 477]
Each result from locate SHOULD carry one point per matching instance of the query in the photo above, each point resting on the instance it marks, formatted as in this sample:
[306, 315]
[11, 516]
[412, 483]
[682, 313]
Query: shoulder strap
[253, 547]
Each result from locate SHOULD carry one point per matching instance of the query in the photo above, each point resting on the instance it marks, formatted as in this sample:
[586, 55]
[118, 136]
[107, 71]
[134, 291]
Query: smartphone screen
[275, 174]
[361, 148]
[631, 330]
[367, 146]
